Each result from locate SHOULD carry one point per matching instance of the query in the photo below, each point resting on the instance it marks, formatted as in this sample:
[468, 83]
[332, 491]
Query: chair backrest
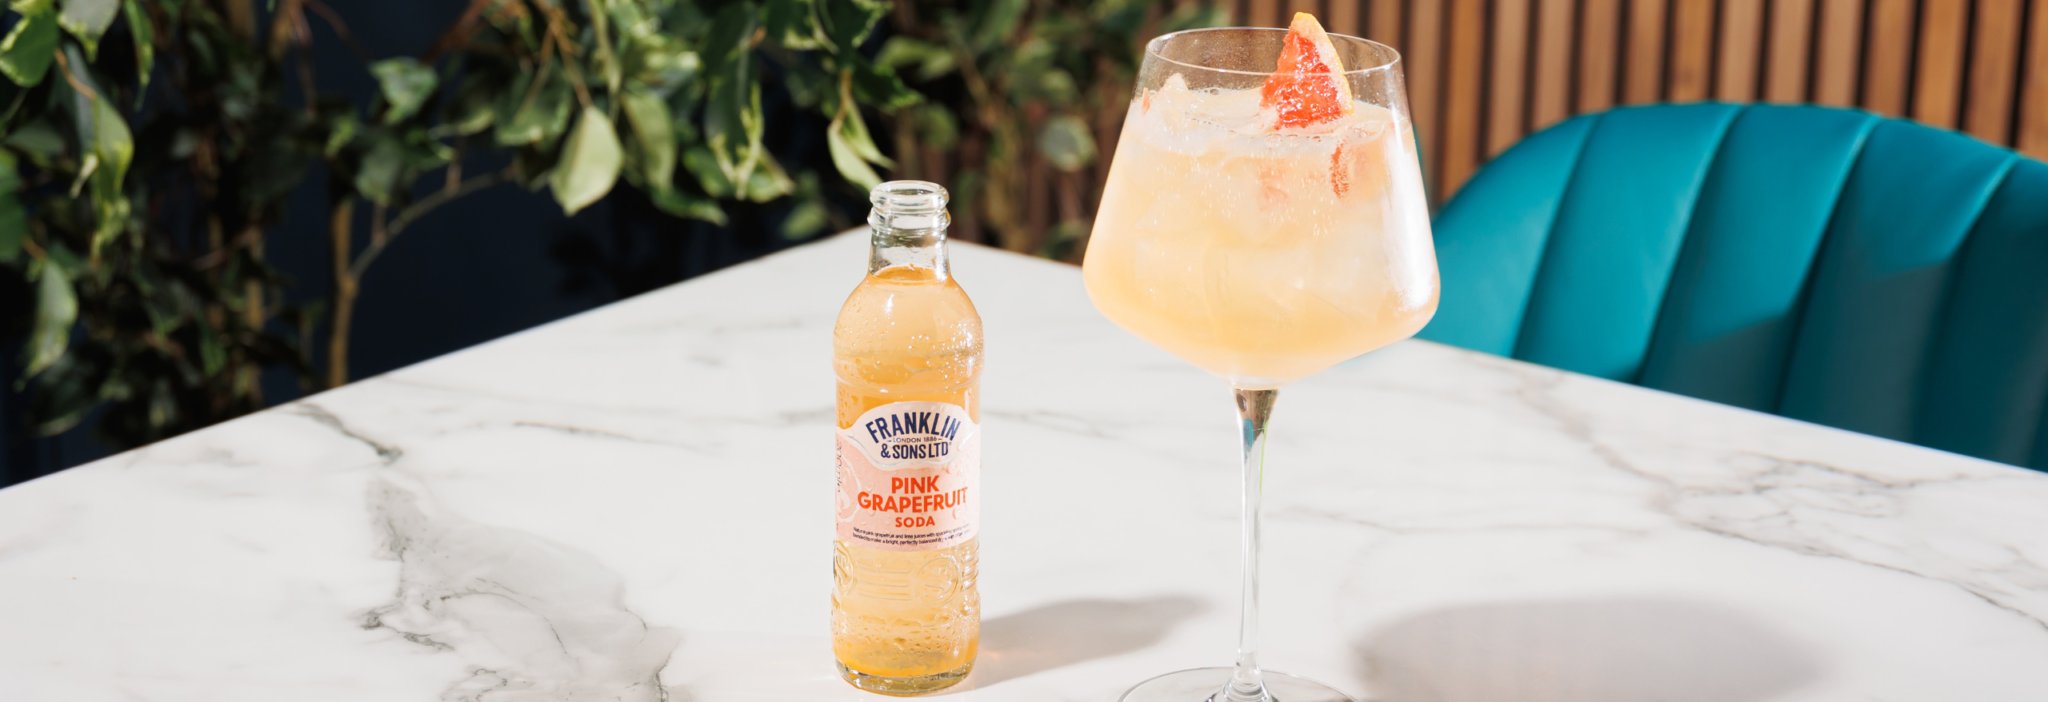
[1824, 264]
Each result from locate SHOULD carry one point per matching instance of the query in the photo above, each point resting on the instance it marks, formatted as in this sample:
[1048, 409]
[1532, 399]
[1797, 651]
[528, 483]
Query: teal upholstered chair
[1823, 264]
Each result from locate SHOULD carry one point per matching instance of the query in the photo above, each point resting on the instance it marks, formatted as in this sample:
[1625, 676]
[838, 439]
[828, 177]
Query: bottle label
[910, 477]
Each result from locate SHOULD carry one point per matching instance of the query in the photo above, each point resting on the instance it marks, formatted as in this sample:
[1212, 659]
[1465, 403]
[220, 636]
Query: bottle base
[904, 687]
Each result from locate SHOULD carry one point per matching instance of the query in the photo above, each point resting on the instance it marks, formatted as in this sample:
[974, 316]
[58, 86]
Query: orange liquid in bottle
[906, 622]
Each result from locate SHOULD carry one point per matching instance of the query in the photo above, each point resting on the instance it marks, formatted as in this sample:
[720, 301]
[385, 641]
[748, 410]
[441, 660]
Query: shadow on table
[1065, 633]
[1583, 651]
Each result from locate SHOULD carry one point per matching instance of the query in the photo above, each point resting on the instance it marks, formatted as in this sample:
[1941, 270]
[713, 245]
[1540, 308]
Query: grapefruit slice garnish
[1308, 87]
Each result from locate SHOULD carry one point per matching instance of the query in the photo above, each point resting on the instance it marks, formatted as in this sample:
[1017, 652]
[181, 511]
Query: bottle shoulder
[908, 306]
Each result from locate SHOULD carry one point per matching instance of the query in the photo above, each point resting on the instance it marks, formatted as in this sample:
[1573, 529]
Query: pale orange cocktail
[1261, 257]
[1264, 220]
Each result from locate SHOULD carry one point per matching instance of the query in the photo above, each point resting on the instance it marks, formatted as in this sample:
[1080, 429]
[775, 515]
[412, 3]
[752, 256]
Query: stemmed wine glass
[1262, 249]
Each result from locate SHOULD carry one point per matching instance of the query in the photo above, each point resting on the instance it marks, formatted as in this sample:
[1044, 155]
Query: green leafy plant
[1025, 94]
[138, 217]
[142, 238]
[147, 146]
[664, 94]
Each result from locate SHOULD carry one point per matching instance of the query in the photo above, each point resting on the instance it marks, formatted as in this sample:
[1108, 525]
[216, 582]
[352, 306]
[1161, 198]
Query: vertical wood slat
[1938, 83]
[1791, 28]
[2033, 129]
[1551, 87]
[1838, 62]
[1480, 78]
[1993, 67]
[1384, 25]
[1692, 49]
[1889, 56]
[1261, 13]
[1510, 79]
[1308, 6]
[1599, 44]
[1424, 43]
[1741, 52]
[1343, 17]
[1644, 79]
[1464, 64]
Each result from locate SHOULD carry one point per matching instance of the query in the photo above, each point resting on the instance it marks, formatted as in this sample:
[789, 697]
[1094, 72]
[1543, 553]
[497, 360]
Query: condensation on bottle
[907, 350]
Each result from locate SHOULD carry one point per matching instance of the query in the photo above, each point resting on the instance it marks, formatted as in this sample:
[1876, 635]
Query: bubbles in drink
[1260, 254]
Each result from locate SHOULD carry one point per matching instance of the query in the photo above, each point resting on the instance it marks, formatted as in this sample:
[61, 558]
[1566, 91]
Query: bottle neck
[909, 224]
[924, 248]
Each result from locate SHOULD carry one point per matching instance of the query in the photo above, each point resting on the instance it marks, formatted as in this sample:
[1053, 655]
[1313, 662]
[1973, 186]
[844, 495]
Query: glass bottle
[906, 616]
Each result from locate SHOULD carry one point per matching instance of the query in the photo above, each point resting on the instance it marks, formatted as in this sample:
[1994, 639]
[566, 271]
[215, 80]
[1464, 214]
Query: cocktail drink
[1264, 219]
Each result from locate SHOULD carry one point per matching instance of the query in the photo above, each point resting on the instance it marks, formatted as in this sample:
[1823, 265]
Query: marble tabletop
[634, 504]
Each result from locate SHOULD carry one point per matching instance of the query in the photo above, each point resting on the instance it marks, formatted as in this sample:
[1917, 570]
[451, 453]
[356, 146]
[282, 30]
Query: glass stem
[1253, 407]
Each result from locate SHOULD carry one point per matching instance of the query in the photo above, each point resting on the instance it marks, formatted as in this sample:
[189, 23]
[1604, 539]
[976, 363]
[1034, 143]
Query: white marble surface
[633, 504]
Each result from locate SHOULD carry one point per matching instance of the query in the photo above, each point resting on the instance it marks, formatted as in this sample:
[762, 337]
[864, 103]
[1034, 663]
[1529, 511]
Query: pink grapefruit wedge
[1308, 87]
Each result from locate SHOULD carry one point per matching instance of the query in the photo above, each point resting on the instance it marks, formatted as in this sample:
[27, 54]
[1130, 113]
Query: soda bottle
[906, 617]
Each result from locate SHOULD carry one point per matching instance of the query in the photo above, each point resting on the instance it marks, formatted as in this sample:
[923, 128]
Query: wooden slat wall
[1484, 73]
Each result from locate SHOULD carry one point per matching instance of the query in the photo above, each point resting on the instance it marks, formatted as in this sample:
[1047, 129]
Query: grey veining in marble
[633, 504]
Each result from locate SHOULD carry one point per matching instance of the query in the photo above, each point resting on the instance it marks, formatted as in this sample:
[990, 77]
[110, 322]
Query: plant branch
[340, 28]
[69, 77]
[458, 33]
[540, 77]
[412, 213]
[557, 27]
[284, 26]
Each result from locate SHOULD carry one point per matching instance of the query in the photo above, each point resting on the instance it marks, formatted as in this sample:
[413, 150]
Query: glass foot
[1206, 685]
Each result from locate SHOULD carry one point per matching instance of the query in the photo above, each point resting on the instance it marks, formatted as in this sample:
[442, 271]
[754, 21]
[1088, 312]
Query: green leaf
[88, 20]
[112, 142]
[524, 121]
[590, 162]
[13, 216]
[145, 44]
[733, 124]
[1067, 143]
[791, 24]
[700, 163]
[341, 129]
[406, 84]
[725, 39]
[663, 62]
[858, 139]
[654, 132]
[473, 109]
[808, 84]
[847, 23]
[938, 127]
[376, 176]
[103, 134]
[64, 395]
[56, 311]
[1057, 87]
[211, 356]
[878, 87]
[682, 204]
[39, 141]
[11, 98]
[768, 181]
[607, 58]
[804, 220]
[997, 20]
[847, 158]
[26, 53]
[1120, 18]
[931, 60]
